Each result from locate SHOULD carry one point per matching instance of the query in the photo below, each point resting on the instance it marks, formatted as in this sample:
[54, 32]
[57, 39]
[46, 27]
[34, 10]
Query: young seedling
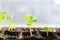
[9, 19]
[46, 29]
[2, 16]
[29, 20]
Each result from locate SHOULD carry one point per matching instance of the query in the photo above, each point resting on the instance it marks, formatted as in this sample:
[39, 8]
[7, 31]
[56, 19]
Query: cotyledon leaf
[11, 27]
[8, 18]
[10, 22]
[34, 20]
[1, 17]
[46, 29]
[4, 12]
[29, 24]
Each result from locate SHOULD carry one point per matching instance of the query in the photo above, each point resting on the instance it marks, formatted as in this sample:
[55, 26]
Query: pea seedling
[29, 20]
[46, 29]
[9, 19]
[2, 16]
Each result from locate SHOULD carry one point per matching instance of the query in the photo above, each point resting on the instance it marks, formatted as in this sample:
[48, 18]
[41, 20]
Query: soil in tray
[58, 33]
[28, 33]
[50, 35]
[2, 39]
[32, 38]
[10, 39]
[11, 33]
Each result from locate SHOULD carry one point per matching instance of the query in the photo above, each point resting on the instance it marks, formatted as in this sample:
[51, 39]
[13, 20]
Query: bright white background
[47, 12]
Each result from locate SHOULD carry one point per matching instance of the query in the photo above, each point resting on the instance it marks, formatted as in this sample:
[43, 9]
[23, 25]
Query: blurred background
[47, 12]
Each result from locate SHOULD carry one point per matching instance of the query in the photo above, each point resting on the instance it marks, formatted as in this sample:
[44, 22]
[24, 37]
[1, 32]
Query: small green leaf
[31, 17]
[11, 27]
[10, 22]
[29, 24]
[25, 18]
[30, 21]
[3, 13]
[1, 17]
[46, 29]
[34, 20]
[8, 18]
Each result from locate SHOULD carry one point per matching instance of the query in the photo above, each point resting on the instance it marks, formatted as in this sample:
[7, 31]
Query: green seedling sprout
[29, 20]
[9, 19]
[2, 16]
[46, 29]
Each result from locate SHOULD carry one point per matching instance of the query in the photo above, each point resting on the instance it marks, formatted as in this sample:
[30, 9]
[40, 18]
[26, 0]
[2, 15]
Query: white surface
[56, 1]
[36, 26]
[45, 11]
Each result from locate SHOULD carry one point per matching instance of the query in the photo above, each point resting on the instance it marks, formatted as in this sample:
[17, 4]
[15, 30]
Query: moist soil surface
[24, 34]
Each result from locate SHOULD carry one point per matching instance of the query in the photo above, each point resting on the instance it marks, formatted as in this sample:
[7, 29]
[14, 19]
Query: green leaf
[10, 22]
[29, 24]
[25, 18]
[46, 29]
[34, 20]
[31, 17]
[29, 21]
[1, 17]
[11, 27]
[3, 13]
[8, 18]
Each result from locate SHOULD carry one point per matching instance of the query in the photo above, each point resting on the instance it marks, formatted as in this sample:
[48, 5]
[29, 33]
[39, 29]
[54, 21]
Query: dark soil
[10, 39]
[11, 33]
[26, 35]
[49, 37]
[2, 39]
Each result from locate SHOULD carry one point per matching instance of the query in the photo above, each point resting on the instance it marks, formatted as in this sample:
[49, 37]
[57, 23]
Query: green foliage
[4, 12]
[11, 27]
[29, 24]
[46, 29]
[2, 17]
[29, 20]
[34, 20]
[9, 20]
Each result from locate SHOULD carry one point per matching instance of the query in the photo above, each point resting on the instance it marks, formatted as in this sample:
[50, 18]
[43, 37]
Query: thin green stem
[47, 33]
[30, 31]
